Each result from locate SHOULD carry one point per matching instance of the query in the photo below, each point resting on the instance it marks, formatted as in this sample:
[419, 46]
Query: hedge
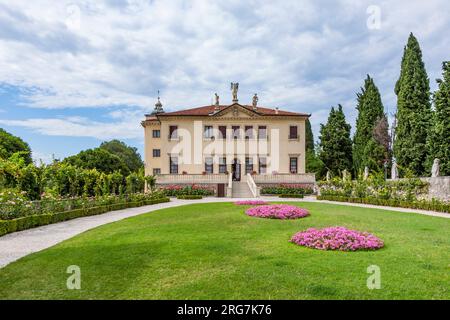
[28, 222]
[433, 205]
[291, 195]
[189, 197]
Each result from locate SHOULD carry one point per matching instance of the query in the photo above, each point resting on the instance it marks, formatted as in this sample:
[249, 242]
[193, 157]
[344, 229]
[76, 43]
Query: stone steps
[241, 190]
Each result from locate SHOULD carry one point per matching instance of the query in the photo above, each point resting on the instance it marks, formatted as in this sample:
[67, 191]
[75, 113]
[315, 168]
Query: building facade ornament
[234, 91]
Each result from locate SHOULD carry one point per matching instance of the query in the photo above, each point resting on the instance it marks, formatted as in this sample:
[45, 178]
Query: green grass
[214, 251]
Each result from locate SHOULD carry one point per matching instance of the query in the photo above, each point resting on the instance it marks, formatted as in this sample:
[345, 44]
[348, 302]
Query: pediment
[236, 111]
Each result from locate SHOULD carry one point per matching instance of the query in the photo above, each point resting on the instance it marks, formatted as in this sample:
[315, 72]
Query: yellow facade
[195, 144]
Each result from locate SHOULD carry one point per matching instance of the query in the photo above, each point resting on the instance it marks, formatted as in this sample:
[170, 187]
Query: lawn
[215, 251]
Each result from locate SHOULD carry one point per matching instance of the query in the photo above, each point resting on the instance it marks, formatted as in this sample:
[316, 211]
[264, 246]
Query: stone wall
[439, 187]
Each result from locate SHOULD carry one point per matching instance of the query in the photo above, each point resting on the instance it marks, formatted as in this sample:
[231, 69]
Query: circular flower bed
[250, 202]
[277, 211]
[337, 238]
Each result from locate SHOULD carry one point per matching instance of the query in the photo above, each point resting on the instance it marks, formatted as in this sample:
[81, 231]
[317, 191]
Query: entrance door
[236, 169]
[221, 190]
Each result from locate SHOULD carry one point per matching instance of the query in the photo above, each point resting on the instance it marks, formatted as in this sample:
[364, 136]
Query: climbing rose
[250, 202]
[337, 238]
[277, 211]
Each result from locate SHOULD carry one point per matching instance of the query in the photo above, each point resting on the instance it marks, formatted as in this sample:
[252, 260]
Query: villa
[236, 148]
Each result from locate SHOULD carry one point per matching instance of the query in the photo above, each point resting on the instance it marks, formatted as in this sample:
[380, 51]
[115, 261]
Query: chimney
[158, 106]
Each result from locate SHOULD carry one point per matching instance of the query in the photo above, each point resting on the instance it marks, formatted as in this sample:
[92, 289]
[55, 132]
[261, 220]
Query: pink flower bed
[277, 211]
[337, 238]
[250, 202]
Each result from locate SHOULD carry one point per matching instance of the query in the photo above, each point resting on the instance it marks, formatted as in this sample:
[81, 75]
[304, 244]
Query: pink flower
[277, 211]
[337, 238]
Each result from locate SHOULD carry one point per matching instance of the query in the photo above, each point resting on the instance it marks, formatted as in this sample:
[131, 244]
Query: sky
[76, 73]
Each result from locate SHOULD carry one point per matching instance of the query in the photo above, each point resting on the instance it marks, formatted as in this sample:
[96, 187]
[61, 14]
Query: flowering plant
[337, 238]
[250, 202]
[277, 211]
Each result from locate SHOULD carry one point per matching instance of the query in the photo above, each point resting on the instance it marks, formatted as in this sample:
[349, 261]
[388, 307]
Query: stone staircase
[241, 190]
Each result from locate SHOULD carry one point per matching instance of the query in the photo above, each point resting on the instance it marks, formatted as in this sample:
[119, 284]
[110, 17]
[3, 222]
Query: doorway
[236, 169]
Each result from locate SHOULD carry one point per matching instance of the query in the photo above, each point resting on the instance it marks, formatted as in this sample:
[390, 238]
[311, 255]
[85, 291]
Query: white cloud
[298, 55]
[81, 127]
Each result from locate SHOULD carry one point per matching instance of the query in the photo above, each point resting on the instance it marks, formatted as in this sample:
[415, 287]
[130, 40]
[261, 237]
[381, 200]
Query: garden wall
[439, 187]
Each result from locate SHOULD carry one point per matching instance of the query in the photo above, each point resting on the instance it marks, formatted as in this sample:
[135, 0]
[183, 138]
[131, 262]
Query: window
[208, 132]
[156, 153]
[223, 132]
[248, 165]
[173, 165]
[209, 167]
[293, 164]
[235, 132]
[173, 132]
[262, 132]
[222, 165]
[248, 132]
[156, 134]
[293, 132]
[156, 171]
[262, 165]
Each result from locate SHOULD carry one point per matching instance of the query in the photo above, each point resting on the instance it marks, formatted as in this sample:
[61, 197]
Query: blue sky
[75, 73]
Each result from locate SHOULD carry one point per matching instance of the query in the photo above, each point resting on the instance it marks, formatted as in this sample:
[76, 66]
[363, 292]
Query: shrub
[434, 205]
[286, 189]
[31, 221]
[277, 211]
[337, 238]
[176, 190]
[189, 196]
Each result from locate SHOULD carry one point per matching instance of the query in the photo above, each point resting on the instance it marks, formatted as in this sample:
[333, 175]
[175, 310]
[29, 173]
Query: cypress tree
[413, 110]
[335, 143]
[366, 149]
[439, 136]
[309, 137]
[313, 163]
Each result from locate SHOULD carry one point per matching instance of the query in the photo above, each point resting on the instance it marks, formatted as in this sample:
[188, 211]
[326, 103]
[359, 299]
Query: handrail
[252, 185]
[230, 185]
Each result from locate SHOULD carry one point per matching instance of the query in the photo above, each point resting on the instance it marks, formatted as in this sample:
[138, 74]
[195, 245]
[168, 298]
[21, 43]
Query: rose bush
[277, 211]
[337, 238]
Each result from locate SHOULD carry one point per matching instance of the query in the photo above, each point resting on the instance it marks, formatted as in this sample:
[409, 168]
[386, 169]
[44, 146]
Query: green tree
[313, 163]
[128, 154]
[309, 137]
[99, 159]
[439, 137]
[10, 144]
[413, 110]
[335, 149]
[367, 151]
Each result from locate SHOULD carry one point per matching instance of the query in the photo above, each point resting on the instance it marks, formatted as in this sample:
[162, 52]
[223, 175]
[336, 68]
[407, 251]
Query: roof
[208, 110]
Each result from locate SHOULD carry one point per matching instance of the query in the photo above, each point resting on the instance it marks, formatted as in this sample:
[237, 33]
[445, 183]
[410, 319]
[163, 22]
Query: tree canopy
[413, 110]
[100, 159]
[335, 143]
[129, 155]
[367, 150]
[10, 144]
[439, 137]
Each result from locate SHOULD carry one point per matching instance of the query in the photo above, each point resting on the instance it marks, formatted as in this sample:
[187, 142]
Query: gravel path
[19, 244]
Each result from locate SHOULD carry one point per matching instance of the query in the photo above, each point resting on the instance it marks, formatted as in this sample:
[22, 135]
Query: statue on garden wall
[346, 176]
[366, 173]
[328, 175]
[394, 170]
[435, 169]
